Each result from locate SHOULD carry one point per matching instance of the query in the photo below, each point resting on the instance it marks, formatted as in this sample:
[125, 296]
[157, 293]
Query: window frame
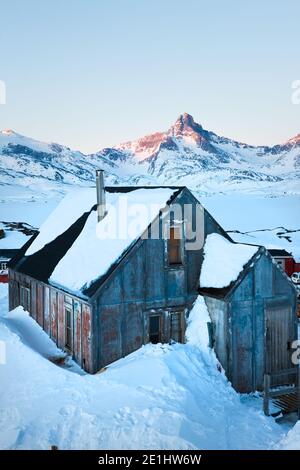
[180, 314]
[179, 245]
[160, 325]
[68, 328]
[25, 297]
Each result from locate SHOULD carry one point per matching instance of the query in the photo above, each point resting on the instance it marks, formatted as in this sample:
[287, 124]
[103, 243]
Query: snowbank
[161, 397]
[223, 261]
[292, 440]
[30, 333]
[197, 331]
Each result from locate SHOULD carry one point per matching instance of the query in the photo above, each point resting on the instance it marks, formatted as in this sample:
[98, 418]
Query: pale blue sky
[93, 73]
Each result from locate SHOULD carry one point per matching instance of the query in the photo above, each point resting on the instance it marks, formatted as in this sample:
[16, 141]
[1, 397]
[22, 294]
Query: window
[281, 263]
[68, 323]
[154, 329]
[3, 266]
[25, 297]
[175, 327]
[175, 245]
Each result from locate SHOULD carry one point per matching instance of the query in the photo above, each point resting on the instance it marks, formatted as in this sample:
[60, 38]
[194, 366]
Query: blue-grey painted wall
[245, 354]
[142, 283]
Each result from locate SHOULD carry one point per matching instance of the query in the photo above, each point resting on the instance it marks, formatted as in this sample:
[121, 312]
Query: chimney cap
[100, 170]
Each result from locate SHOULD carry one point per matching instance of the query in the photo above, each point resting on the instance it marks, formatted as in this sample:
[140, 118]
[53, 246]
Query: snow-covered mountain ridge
[186, 154]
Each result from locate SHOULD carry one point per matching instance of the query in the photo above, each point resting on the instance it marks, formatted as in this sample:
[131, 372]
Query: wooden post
[267, 383]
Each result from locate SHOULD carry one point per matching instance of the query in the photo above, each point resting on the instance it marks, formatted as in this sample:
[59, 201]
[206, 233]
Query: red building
[6, 254]
[286, 261]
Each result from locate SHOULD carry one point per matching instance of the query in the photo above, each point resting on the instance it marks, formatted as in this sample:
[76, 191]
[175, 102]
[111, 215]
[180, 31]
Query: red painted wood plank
[61, 320]
[86, 338]
[40, 304]
[53, 313]
[47, 310]
[77, 332]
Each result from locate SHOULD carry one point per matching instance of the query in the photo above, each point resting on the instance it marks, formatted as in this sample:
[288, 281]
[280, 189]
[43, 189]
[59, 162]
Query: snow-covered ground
[269, 221]
[160, 397]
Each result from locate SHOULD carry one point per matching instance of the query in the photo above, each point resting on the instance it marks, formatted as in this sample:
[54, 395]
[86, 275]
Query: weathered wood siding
[61, 340]
[47, 307]
[87, 359]
[114, 322]
[40, 304]
[53, 314]
[77, 332]
[144, 283]
[261, 308]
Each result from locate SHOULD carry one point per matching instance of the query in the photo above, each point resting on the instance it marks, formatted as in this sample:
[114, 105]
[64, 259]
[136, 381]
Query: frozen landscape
[160, 397]
[254, 192]
[183, 400]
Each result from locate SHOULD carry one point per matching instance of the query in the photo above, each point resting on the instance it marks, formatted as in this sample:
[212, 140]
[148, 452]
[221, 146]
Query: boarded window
[68, 323]
[155, 329]
[175, 327]
[25, 297]
[174, 245]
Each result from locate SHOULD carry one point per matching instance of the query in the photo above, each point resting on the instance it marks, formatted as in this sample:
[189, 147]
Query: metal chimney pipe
[101, 205]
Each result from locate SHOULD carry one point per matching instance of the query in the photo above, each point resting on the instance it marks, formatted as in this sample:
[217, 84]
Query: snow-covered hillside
[160, 397]
[254, 192]
[190, 155]
[40, 168]
[269, 221]
[186, 154]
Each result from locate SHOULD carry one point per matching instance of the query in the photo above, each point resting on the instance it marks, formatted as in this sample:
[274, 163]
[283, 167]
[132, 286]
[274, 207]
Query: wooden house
[253, 310]
[12, 238]
[103, 299]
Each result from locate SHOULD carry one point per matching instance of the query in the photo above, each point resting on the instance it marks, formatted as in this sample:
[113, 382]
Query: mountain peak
[186, 119]
[294, 140]
[185, 126]
[8, 132]
[183, 122]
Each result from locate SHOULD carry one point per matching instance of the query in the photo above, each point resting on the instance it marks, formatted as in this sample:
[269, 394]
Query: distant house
[101, 298]
[252, 304]
[285, 260]
[6, 254]
[12, 237]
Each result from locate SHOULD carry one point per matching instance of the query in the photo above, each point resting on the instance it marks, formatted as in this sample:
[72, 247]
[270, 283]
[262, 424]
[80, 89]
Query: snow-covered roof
[93, 252]
[223, 261]
[88, 248]
[13, 239]
[72, 206]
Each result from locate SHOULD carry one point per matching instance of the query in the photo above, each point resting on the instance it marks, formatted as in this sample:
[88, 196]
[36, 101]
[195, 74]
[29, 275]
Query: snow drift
[160, 397]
